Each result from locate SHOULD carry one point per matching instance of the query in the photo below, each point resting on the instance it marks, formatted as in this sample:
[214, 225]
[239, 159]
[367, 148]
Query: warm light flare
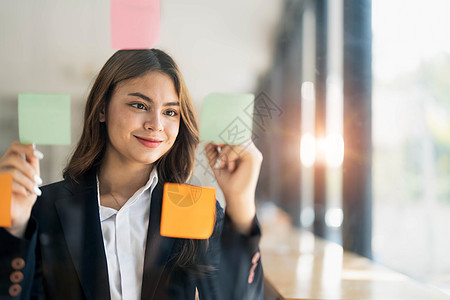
[308, 92]
[308, 150]
[329, 150]
[334, 152]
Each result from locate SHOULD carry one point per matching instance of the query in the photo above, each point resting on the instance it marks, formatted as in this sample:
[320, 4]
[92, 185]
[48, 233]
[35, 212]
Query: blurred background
[352, 106]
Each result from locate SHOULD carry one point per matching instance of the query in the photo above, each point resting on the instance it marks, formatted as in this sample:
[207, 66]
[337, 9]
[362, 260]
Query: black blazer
[62, 255]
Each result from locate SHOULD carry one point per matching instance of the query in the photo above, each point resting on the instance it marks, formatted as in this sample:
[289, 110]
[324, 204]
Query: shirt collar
[106, 212]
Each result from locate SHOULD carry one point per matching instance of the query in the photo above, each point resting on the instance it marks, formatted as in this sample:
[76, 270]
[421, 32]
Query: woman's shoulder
[53, 187]
[69, 186]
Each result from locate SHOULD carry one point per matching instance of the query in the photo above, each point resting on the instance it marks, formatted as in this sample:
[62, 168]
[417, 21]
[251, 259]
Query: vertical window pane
[411, 137]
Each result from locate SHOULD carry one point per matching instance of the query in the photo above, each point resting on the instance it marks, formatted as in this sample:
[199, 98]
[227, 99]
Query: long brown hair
[174, 166]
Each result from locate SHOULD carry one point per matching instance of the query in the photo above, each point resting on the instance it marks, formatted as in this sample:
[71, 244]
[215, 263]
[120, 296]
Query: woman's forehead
[151, 85]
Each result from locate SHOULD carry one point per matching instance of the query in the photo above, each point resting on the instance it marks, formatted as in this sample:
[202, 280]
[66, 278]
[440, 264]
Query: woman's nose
[154, 122]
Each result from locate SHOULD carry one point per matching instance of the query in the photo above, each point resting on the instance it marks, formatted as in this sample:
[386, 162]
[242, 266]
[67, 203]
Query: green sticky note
[44, 119]
[225, 118]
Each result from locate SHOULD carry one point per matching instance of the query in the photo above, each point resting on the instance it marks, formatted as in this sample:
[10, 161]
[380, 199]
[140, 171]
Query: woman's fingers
[212, 154]
[19, 148]
[22, 162]
[222, 156]
[231, 166]
[28, 151]
[20, 190]
[16, 162]
[19, 179]
[34, 159]
[228, 157]
[25, 172]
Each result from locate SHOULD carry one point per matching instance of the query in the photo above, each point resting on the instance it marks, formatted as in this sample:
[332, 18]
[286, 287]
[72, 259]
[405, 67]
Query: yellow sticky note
[5, 199]
[188, 211]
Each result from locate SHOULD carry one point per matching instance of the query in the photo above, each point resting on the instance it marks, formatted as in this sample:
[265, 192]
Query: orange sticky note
[5, 199]
[134, 23]
[188, 211]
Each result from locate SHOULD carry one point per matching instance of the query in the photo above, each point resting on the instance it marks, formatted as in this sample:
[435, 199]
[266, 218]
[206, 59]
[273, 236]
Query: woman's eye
[171, 113]
[139, 106]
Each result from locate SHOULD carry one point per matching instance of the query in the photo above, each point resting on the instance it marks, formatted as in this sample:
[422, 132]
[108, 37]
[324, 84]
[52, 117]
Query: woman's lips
[149, 143]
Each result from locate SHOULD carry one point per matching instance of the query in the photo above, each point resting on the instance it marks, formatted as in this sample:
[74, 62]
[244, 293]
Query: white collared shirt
[124, 236]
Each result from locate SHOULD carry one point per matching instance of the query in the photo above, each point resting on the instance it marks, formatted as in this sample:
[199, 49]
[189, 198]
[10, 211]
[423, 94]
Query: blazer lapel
[80, 222]
[158, 248]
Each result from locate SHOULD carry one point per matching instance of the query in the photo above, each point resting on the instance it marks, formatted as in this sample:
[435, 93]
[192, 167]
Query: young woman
[96, 234]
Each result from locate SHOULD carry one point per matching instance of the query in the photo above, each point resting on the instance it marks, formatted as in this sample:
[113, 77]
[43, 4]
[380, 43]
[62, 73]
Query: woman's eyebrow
[172, 103]
[137, 94]
[148, 99]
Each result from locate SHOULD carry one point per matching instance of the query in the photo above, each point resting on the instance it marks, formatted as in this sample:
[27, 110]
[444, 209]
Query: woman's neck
[122, 180]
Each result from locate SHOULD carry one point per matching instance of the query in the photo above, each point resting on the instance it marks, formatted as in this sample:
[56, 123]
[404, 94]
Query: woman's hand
[236, 169]
[22, 161]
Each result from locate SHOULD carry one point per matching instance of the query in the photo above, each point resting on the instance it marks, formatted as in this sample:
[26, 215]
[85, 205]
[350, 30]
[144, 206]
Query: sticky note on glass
[224, 118]
[5, 199]
[44, 119]
[134, 23]
[188, 211]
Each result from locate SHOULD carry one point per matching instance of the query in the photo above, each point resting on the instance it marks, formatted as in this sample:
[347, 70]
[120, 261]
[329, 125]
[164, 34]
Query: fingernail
[37, 190]
[38, 154]
[34, 145]
[37, 179]
[255, 258]
[217, 164]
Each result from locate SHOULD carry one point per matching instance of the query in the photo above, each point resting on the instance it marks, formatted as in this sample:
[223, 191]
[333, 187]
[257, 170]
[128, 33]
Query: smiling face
[142, 119]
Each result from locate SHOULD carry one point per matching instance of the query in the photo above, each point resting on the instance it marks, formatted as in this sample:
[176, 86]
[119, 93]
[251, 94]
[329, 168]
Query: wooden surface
[298, 265]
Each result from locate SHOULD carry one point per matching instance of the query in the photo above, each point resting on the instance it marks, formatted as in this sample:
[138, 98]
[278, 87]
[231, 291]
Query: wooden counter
[298, 265]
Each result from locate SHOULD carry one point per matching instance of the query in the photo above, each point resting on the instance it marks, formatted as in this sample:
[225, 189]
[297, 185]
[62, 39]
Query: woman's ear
[102, 113]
